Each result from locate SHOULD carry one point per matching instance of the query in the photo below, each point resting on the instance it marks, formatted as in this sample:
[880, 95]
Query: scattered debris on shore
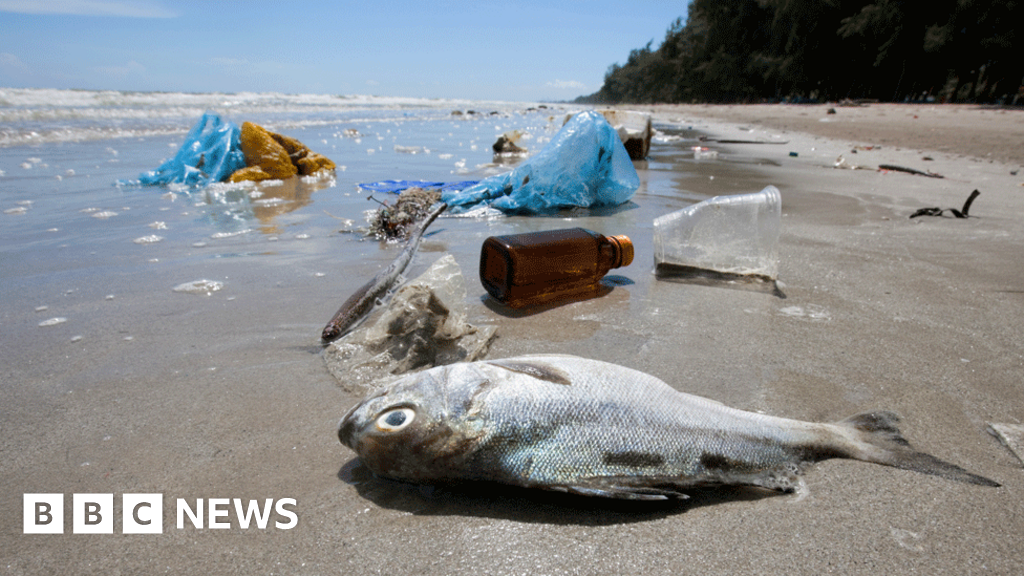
[936, 211]
[396, 221]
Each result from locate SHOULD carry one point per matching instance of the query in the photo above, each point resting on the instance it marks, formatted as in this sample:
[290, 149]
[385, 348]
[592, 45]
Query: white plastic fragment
[206, 287]
[1012, 436]
[53, 321]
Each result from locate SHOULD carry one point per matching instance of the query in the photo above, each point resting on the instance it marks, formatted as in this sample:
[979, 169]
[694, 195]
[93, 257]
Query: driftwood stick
[362, 301]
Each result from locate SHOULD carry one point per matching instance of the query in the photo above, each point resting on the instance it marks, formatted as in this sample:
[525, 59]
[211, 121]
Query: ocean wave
[37, 115]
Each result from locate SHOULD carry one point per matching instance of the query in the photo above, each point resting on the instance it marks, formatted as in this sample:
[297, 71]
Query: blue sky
[500, 50]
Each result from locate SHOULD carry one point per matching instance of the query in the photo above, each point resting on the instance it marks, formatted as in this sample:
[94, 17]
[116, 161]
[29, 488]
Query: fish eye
[395, 419]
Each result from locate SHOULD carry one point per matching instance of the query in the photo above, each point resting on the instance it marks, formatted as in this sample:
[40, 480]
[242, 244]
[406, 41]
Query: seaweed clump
[396, 221]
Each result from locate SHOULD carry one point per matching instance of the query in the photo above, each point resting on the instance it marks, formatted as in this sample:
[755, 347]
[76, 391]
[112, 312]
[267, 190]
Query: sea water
[88, 257]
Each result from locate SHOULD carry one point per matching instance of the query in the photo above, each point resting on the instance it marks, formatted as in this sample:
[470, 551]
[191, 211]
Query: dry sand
[987, 132]
[230, 399]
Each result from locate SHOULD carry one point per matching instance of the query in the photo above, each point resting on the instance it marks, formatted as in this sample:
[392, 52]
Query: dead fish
[363, 300]
[588, 427]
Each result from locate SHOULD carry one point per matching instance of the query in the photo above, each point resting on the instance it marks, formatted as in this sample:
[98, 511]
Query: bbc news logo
[144, 513]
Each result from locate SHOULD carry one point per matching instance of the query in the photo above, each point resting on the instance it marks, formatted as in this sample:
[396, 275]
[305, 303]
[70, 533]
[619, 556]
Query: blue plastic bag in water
[211, 152]
[584, 165]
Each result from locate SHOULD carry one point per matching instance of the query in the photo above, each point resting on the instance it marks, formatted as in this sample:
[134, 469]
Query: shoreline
[966, 130]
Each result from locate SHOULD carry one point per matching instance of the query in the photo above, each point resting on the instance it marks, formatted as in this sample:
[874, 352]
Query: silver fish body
[589, 427]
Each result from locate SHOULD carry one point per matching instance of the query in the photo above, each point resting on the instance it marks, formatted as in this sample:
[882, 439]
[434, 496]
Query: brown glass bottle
[537, 268]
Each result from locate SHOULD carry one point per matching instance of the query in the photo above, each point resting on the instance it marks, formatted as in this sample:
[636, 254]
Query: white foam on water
[219, 235]
[151, 239]
[204, 286]
[53, 321]
[32, 116]
[409, 149]
[270, 202]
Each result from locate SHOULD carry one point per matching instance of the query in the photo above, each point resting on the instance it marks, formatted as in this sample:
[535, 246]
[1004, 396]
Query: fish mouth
[348, 427]
[350, 424]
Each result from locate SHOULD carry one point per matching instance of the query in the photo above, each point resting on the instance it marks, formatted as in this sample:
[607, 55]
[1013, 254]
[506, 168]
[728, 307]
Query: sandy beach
[227, 396]
[966, 130]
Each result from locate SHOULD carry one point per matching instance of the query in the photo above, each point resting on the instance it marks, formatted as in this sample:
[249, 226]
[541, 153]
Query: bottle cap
[625, 246]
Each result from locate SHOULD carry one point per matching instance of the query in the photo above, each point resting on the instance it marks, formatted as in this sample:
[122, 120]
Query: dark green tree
[892, 50]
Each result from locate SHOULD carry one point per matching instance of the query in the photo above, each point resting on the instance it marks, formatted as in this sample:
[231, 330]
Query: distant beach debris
[53, 321]
[200, 287]
[217, 150]
[507, 147]
[845, 164]
[633, 128]
[1011, 436]
[894, 168]
[704, 153]
[584, 165]
[961, 213]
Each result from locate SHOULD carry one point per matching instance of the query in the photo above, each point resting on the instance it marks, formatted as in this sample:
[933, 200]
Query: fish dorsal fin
[538, 370]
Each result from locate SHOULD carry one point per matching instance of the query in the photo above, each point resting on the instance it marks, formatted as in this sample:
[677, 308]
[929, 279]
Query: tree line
[829, 50]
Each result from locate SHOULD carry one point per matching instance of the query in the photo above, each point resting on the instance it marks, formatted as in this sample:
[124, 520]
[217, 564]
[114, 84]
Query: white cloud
[10, 61]
[124, 8]
[566, 85]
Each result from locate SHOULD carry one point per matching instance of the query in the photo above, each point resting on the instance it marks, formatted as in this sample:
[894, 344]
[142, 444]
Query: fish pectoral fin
[623, 492]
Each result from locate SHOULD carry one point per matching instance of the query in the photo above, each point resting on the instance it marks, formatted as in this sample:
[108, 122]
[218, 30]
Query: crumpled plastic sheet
[397, 186]
[422, 326]
[212, 151]
[584, 165]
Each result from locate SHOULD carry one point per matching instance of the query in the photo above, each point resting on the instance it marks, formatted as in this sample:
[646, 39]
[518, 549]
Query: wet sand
[228, 397]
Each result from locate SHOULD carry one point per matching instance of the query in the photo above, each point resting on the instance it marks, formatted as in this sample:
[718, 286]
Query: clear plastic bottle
[735, 235]
[521, 270]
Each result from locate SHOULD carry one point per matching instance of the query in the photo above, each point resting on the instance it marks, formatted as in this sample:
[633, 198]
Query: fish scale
[588, 427]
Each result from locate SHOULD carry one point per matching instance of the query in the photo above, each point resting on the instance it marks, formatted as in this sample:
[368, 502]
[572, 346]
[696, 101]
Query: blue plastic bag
[211, 152]
[584, 165]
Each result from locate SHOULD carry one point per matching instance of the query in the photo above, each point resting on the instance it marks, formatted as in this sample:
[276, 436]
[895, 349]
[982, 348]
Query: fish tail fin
[879, 440]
